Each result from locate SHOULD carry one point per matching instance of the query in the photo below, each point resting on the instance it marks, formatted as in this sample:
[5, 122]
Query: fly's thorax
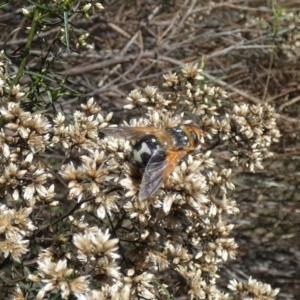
[144, 149]
[180, 139]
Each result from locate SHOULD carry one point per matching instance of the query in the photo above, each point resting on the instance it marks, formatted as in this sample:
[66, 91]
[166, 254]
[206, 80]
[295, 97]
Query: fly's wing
[157, 170]
[131, 133]
[172, 161]
[153, 174]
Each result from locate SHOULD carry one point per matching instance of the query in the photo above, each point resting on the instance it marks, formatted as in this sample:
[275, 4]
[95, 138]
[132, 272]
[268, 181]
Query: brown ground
[250, 49]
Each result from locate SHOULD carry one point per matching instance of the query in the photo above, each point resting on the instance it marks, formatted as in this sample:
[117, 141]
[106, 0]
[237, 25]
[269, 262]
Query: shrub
[70, 219]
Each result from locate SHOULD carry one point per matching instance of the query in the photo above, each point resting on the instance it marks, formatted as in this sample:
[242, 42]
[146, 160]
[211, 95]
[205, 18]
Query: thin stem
[27, 46]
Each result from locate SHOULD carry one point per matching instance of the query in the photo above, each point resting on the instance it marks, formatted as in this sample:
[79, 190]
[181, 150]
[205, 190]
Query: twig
[27, 48]
[292, 101]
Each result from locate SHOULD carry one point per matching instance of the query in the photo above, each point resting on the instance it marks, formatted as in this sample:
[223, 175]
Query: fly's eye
[195, 136]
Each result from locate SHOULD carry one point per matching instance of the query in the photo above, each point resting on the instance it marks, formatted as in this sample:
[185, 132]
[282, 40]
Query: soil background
[249, 48]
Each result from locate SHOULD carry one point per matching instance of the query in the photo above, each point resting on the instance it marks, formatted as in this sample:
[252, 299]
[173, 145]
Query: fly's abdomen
[143, 150]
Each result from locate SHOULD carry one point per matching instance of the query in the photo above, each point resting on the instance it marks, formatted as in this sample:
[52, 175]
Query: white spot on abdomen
[137, 154]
